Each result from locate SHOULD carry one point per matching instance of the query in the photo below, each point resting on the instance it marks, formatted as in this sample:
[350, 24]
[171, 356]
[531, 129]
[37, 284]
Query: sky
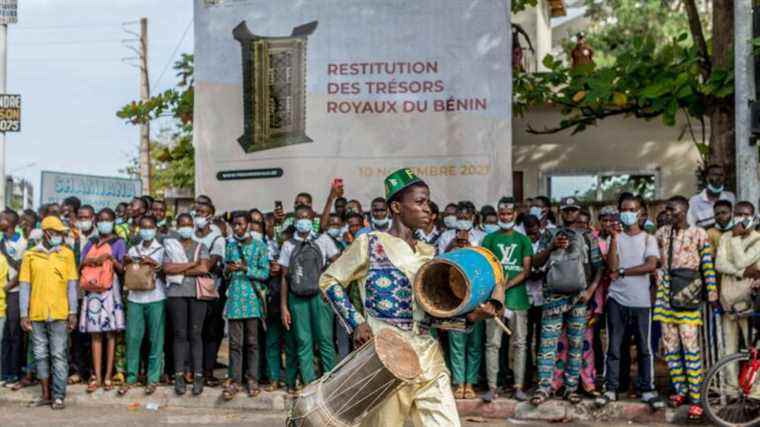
[65, 59]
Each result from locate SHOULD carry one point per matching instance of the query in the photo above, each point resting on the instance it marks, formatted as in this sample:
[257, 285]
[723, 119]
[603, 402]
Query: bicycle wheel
[725, 403]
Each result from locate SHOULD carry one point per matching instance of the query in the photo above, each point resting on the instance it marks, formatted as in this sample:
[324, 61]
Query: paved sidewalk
[279, 402]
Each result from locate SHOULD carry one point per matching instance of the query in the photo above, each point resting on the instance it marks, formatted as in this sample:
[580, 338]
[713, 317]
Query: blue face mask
[185, 232]
[55, 240]
[334, 232]
[119, 220]
[303, 225]
[148, 234]
[491, 228]
[628, 218]
[536, 212]
[105, 227]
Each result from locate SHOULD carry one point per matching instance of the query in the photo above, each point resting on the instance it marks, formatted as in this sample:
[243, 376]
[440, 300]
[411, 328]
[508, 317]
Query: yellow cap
[53, 223]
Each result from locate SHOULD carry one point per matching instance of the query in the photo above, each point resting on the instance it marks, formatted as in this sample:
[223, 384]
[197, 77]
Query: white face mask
[255, 235]
[381, 223]
[464, 225]
[200, 222]
[506, 225]
[450, 221]
[84, 226]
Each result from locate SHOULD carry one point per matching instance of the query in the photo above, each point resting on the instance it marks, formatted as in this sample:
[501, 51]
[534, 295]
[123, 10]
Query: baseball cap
[54, 223]
[569, 203]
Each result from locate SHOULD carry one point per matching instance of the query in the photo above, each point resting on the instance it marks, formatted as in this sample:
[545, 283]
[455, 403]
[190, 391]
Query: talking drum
[358, 384]
[455, 283]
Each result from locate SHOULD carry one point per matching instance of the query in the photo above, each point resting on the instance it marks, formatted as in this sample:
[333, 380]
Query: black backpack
[305, 267]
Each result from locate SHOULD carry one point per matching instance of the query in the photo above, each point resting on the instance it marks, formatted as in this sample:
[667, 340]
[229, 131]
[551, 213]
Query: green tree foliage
[172, 154]
[652, 61]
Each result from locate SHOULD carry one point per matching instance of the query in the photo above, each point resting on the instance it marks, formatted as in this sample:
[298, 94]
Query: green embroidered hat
[398, 181]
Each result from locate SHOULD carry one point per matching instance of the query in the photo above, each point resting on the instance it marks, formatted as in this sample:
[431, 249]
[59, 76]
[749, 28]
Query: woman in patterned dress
[103, 312]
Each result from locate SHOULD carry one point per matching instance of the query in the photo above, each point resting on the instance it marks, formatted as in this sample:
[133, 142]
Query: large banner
[98, 191]
[290, 94]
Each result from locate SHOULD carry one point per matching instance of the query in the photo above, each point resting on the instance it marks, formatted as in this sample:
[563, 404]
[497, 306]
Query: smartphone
[278, 204]
[338, 182]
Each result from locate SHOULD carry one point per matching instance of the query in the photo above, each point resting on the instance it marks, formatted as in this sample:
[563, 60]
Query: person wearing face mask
[514, 251]
[574, 267]
[724, 221]
[737, 261]
[12, 248]
[184, 260]
[146, 310]
[491, 223]
[464, 234]
[540, 208]
[48, 305]
[335, 231]
[450, 216]
[683, 248]
[163, 229]
[465, 348]
[355, 222]
[102, 314]
[701, 204]
[632, 257]
[379, 219]
[213, 327]
[247, 266]
[302, 260]
[80, 355]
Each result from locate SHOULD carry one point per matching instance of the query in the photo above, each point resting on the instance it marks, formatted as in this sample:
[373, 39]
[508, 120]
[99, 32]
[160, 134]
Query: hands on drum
[362, 334]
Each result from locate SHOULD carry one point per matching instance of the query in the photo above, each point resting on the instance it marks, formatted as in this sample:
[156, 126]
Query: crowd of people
[118, 297]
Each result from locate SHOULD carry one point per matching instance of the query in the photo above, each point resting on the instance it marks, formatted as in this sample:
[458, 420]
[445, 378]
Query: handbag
[567, 272]
[685, 283]
[97, 278]
[140, 277]
[205, 286]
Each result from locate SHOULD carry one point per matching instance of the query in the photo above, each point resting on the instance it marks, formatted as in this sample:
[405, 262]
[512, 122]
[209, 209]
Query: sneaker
[179, 385]
[198, 384]
[604, 399]
[489, 396]
[520, 395]
[653, 400]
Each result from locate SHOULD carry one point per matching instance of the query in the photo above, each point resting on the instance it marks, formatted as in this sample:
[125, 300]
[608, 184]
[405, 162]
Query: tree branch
[695, 25]
[588, 119]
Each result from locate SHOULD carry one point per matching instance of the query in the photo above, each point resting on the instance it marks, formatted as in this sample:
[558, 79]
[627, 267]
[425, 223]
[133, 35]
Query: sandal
[459, 392]
[573, 397]
[25, 382]
[469, 392]
[93, 385]
[253, 388]
[58, 404]
[123, 390]
[150, 389]
[75, 379]
[273, 386]
[212, 381]
[539, 397]
[108, 385]
[677, 400]
[695, 412]
[40, 402]
[230, 391]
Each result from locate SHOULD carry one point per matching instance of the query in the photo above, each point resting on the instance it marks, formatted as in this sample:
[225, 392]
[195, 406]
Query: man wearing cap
[384, 264]
[574, 270]
[48, 305]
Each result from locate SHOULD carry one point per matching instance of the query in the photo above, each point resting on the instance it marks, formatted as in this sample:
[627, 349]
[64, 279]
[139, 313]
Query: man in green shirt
[514, 250]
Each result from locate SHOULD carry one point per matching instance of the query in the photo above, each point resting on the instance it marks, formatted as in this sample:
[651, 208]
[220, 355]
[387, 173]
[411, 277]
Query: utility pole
[3, 80]
[145, 174]
[747, 182]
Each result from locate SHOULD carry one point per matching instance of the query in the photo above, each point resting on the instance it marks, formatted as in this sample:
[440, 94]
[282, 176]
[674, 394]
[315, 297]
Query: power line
[171, 57]
[58, 27]
[68, 42]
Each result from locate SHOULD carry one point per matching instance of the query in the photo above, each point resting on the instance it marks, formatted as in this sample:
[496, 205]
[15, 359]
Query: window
[601, 186]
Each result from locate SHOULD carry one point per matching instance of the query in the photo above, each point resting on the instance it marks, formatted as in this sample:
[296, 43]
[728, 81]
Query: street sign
[8, 11]
[10, 113]
[98, 191]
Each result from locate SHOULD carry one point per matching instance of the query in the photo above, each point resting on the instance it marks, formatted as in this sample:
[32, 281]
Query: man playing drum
[385, 264]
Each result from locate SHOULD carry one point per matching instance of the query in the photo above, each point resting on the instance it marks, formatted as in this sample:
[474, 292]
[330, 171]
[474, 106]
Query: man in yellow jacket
[48, 302]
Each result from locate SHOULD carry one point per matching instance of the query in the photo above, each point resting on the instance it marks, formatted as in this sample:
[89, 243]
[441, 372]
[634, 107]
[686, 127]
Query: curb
[279, 402]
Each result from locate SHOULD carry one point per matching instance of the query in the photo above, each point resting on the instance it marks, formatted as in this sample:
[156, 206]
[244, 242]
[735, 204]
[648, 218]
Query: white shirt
[155, 252]
[701, 208]
[323, 242]
[475, 237]
[15, 249]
